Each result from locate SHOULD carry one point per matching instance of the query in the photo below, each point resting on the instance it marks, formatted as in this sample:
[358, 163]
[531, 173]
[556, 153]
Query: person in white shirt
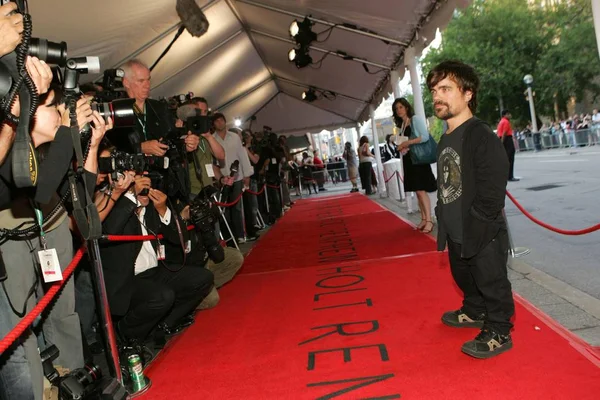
[144, 292]
[234, 151]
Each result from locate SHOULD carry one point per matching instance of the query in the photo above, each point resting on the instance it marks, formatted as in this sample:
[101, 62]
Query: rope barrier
[390, 178]
[273, 186]
[18, 330]
[233, 203]
[550, 227]
[256, 193]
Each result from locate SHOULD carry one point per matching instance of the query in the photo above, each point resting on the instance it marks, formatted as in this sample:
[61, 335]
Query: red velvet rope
[233, 203]
[18, 330]
[273, 186]
[390, 178]
[256, 193]
[550, 227]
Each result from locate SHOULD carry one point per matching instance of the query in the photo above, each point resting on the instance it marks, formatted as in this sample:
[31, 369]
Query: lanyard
[202, 144]
[40, 220]
[143, 124]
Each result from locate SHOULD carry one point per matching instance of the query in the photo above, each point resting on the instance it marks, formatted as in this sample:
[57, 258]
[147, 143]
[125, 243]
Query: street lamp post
[528, 79]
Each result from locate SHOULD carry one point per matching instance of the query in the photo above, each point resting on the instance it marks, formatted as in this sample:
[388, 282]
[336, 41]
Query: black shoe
[171, 331]
[459, 319]
[252, 238]
[514, 180]
[488, 343]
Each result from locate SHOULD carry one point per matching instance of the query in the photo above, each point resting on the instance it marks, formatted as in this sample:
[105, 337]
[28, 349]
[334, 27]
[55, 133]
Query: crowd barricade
[566, 138]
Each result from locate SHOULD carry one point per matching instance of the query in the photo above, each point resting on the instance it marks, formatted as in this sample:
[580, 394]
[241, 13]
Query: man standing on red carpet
[472, 177]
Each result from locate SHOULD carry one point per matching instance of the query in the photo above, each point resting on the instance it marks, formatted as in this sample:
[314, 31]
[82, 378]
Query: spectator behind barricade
[352, 163]
[49, 131]
[319, 170]
[390, 150]
[269, 164]
[417, 177]
[365, 166]
[234, 151]
[208, 154]
[146, 294]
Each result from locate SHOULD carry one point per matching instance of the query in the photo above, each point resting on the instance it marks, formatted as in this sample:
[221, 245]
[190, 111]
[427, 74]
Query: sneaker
[252, 238]
[488, 343]
[241, 240]
[459, 319]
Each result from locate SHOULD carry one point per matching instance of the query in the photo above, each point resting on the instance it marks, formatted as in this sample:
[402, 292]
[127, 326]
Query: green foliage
[504, 40]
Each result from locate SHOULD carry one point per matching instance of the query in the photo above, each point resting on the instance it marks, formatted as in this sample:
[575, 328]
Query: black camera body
[120, 161]
[204, 219]
[81, 383]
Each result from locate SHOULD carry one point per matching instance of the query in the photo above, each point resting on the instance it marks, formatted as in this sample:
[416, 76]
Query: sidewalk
[575, 310]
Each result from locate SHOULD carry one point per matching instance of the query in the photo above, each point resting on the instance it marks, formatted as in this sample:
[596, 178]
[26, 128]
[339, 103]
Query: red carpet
[321, 232]
[359, 329]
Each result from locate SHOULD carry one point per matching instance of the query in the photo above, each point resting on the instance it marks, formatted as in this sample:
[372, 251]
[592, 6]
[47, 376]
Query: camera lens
[50, 52]
[120, 110]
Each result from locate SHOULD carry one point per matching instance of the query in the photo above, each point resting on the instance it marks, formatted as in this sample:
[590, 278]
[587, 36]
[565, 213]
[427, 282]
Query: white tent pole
[596, 15]
[380, 181]
[410, 60]
[320, 21]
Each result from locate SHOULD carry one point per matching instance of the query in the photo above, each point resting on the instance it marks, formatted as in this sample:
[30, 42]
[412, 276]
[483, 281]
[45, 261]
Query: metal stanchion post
[515, 252]
[114, 390]
[222, 211]
[399, 189]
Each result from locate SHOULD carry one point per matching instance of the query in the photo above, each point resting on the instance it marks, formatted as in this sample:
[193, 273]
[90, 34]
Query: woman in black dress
[417, 178]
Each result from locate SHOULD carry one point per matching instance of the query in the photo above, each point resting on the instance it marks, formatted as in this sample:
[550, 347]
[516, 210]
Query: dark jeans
[484, 282]
[509, 146]
[15, 375]
[275, 207]
[249, 213]
[162, 295]
[234, 214]
[364, 170]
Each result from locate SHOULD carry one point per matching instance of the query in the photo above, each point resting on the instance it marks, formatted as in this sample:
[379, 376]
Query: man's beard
[444, 114]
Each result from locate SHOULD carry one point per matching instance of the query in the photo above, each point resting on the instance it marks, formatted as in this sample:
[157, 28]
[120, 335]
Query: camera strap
[88, 219]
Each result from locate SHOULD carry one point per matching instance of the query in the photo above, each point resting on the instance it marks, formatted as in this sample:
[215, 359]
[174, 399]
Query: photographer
[250, 200]
[208, 152]
[233, 151]
[11, 28]
[143, 291]
[61, 324]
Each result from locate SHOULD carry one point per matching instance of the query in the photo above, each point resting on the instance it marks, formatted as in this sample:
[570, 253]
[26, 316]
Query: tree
[506, 39]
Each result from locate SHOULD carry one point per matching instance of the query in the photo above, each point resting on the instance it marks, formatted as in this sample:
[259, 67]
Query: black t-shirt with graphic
[450, 182]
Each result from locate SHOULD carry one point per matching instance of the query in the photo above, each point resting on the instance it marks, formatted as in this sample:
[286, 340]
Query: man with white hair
[153, 119]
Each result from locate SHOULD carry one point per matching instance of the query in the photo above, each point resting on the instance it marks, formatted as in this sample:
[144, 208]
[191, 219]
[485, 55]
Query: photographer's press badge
[210, 171]
[50, 265]
[160, 252]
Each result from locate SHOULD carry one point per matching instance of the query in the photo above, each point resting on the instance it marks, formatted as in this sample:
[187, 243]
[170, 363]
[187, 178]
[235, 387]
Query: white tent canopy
[240, 65]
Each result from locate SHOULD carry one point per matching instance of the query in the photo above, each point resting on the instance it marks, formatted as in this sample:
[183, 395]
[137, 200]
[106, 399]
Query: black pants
[234, 214]
[249, 214]
[484, 282]
[162, 295]
[509, 146]
[364, 170]
[275, 207]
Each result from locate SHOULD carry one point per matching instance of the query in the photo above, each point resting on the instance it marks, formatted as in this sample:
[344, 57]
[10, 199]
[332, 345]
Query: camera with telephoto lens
[204, 219]
[119, 161]
[77, 384]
